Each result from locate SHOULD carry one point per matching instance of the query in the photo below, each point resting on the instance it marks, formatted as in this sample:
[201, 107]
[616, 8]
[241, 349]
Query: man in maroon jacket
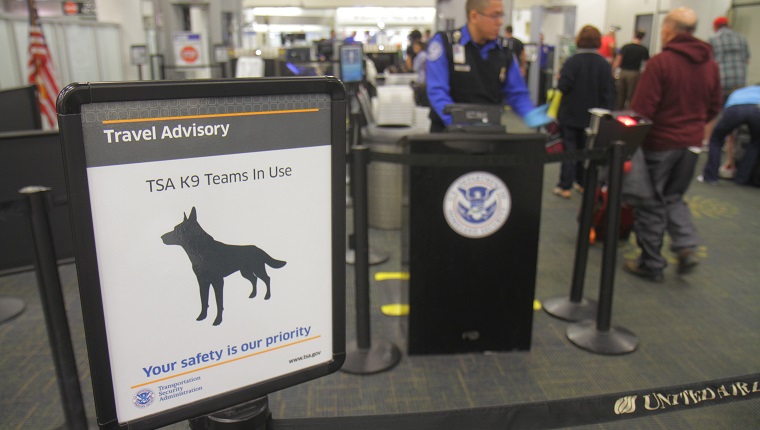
[680, 92]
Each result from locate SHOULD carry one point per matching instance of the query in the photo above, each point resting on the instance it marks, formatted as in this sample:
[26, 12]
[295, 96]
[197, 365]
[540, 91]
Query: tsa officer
[472, 65]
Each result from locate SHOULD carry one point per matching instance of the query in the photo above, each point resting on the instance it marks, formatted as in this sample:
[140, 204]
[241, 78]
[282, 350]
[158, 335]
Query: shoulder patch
[435, 50]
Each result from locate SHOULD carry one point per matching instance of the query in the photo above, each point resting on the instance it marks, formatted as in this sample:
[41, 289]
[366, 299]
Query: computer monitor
[384, 60]
[325, 50]
[351, 63]
[19, 109]
[300, 54]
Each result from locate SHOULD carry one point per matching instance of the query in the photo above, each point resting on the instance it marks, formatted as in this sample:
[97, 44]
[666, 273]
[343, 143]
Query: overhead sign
[71, 8]
[209, 220]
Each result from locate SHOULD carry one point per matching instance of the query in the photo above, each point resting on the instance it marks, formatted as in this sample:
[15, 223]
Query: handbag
[554, 143]
[638, 187]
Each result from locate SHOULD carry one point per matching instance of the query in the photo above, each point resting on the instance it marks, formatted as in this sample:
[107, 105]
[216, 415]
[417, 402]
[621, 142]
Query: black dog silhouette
[213, 261]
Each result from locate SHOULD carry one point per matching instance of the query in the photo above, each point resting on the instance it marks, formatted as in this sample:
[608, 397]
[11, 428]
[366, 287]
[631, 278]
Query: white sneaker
[701, 179]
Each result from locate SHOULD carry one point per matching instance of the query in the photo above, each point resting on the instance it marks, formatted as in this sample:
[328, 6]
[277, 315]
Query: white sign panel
[212, 225]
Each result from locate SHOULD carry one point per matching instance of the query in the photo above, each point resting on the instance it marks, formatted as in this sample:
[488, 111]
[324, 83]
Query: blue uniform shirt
[745, 96]
[515, 91]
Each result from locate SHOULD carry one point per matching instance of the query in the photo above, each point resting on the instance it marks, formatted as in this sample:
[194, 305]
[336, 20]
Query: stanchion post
[609, 258]
[584, 228]
[578, 308]
[51, 296]
[375, 256]
[362, 356]
[361, 244]
[599, 336]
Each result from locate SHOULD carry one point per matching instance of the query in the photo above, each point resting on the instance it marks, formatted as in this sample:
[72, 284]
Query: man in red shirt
[680, 92]
[609, 44]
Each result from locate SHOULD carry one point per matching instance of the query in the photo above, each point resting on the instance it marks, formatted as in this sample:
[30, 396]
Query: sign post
[209, 225]
[138, 57]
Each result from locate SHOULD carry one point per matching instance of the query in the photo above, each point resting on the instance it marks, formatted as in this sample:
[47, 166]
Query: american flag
[41, 69]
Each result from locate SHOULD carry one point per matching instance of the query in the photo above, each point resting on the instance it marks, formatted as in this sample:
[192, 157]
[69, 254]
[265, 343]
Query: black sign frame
[70, 103]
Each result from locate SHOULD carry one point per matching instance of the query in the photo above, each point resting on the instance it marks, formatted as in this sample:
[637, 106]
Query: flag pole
[41, 69]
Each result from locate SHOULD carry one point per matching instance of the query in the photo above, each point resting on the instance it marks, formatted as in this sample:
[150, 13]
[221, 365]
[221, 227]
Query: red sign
[70, 8]
[189, 54]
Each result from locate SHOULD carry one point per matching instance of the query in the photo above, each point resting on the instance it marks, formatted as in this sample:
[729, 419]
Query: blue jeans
[732, 118]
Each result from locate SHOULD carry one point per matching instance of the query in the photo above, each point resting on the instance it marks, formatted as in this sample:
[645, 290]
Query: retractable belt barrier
[20, 206]
[470, 160]
[12, 208]
[551, 414]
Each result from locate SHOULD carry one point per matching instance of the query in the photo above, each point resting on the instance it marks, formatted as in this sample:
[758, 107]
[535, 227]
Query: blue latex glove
[537, 117]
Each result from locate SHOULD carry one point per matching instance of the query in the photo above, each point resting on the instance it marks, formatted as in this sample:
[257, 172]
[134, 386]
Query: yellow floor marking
[395, 310]
[385, 276]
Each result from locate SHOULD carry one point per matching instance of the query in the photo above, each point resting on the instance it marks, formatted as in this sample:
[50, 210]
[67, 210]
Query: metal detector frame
[70, 103]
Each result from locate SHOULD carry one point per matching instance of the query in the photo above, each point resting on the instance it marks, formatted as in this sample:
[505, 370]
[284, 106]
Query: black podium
[473, 242]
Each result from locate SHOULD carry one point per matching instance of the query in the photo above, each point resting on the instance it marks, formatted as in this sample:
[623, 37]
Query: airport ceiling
[325, 4]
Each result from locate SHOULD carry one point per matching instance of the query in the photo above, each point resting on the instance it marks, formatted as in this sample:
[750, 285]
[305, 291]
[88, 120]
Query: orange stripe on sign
[243, 357]
[216, 115]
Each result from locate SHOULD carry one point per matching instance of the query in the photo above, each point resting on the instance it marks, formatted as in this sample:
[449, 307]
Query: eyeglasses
[494, 16]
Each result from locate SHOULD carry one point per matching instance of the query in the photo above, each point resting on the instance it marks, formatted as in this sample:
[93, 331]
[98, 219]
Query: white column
[128, 14]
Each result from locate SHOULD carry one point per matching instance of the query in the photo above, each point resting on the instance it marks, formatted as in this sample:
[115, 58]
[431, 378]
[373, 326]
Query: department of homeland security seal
[143, 398]
[477, 204]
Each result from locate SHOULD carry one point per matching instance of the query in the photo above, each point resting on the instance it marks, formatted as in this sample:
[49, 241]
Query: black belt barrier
[471, 160]
[551, 414]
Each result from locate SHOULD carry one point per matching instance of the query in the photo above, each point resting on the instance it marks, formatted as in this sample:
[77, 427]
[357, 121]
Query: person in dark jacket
[680, 92]
[586, 82]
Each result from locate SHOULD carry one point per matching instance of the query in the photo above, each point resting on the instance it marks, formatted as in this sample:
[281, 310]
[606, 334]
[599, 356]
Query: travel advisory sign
[212, 226]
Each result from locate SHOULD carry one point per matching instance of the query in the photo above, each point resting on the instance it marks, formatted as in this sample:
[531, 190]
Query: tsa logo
[477, 204]
[143, 398]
